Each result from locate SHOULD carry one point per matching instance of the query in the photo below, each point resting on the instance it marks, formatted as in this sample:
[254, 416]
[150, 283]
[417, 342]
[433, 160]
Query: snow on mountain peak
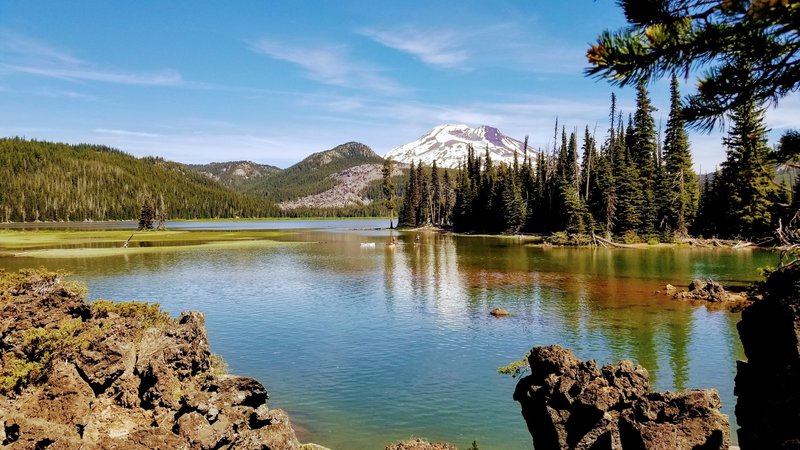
[447, 145]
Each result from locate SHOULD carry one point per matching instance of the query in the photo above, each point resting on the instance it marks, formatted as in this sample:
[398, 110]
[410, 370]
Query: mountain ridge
[233, 173]
[50, 181]
[314, 174]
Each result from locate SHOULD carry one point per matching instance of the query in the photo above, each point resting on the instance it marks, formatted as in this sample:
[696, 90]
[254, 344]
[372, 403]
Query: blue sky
[273, 81]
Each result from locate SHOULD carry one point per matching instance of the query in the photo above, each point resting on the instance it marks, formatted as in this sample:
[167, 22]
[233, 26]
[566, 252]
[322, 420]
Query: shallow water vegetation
[516, 368]
[90, 244]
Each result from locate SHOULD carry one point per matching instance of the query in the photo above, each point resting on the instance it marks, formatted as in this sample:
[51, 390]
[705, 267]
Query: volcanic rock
[124, 376]
[571, 404]
[768, 384]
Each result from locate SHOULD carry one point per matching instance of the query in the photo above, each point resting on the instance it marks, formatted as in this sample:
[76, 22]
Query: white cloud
[32, 49]
[509, 45]
[164, 78]
[786, 115]
[436, 49]
[329, 65]
[23, 54]
[124, 132]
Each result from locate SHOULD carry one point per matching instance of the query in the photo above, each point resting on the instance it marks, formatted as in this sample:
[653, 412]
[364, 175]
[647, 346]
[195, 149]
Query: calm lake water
[364, 346]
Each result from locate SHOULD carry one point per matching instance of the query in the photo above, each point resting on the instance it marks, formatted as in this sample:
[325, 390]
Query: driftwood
[714, 242]
[125, 245]
[606, 243]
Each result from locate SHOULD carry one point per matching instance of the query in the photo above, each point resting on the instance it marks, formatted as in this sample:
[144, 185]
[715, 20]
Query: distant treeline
[633, 187]
[52, 182]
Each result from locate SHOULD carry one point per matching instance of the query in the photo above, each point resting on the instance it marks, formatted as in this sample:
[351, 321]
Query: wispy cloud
[164, 78]
[786, 114]
[124, 132]
[22, 54]
[329, 65]
[509, 45]
[439, 49]
[11, 42]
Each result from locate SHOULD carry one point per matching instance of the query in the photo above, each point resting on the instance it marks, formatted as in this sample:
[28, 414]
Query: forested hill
[234, 173]
[313, 174]
[52, 182]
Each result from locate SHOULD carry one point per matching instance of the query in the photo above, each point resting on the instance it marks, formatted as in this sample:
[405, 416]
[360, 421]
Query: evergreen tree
[714, 208]
[672, 36]
[146, 215]
[578, 219]
[571, 164]
[388, 188]
[680, 177]
[605, 200]
[512, 207]
[588, 165]
[485, 205]
[423, 200]
[448, 199]
[643, 153]
[437, 199]
[629, 190]
[408, 211]
[747, 175]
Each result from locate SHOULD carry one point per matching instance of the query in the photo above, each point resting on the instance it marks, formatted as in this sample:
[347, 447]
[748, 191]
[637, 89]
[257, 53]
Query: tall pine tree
[747, 175]
[643, 155]
[680, 177]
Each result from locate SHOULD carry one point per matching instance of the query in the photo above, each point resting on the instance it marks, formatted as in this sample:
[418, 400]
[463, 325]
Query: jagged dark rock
[571, 404]
[124, 377]
[768, 384]
[712, 294]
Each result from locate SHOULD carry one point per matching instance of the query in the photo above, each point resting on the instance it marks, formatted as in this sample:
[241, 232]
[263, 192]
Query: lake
[363, 346]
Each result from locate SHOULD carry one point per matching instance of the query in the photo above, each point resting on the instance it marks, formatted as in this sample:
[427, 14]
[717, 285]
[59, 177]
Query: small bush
[630, 237]
[569, 239]
[39, 282]
[516, 368]
[218, 365]
[40, 347]
[16, 372]
[148, 314]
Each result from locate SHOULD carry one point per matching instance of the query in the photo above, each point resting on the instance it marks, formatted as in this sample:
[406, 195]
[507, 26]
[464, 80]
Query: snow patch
[447, 145]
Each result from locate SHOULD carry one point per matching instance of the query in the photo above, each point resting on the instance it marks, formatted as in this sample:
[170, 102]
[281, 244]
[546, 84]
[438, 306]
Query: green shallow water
[367, 345]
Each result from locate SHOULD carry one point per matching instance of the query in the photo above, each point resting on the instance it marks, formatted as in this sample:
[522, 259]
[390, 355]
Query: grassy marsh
[91, 244]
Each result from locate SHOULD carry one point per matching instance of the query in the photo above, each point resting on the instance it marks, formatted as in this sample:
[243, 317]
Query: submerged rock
[768, 384]
[125, 376]
[571, 404]
[420, 444]
[499, 312]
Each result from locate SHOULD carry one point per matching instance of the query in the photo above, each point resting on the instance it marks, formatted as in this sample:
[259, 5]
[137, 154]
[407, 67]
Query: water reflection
[365, 345]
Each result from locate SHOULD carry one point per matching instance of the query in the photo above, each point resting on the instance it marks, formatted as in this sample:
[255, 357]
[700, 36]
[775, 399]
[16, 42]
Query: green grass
[280, 219]
[81, 244]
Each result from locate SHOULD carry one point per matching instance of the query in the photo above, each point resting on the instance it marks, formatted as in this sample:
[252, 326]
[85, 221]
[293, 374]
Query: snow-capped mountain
[447, 145]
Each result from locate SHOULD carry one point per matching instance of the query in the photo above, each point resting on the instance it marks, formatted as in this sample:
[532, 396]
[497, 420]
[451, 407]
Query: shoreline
[77, 223]
[540, 240]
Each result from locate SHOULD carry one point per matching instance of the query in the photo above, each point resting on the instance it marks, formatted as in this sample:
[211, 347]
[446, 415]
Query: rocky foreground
[768, 383]
[571, 404]
[119, 375]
